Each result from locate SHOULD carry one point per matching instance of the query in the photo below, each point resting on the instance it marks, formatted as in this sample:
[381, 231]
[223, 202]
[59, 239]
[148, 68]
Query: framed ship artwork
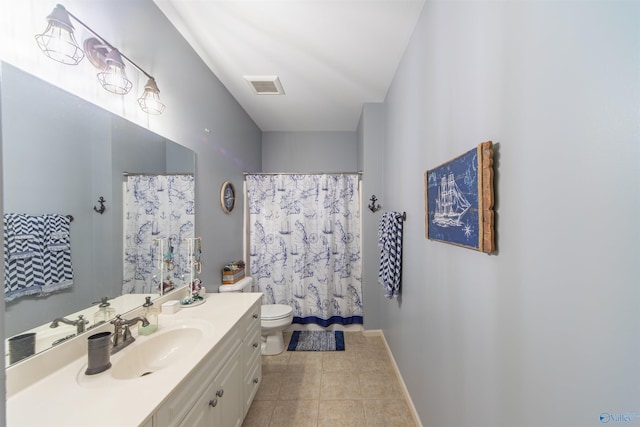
[459, 200]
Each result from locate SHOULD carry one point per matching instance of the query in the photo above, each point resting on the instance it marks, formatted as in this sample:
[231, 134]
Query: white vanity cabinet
[222, 389]
[213, 383]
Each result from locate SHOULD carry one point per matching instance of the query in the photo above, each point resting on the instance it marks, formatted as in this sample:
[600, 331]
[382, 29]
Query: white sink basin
[150, 354]
[171, 346]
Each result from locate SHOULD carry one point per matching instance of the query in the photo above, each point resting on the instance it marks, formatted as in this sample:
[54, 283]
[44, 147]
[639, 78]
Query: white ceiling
[331, 55]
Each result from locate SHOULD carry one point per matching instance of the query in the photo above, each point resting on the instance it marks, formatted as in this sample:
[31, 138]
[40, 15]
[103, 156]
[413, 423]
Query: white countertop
[67, 397]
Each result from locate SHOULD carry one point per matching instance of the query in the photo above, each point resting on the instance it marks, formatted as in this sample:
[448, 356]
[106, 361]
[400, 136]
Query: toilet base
[272, 344]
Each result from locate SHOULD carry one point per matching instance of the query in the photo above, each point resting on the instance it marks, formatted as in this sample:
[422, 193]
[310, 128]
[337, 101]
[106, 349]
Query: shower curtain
[304, 245]
[156, 207]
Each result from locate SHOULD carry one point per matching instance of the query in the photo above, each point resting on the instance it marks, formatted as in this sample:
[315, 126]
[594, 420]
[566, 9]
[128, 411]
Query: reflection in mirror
[60, 155]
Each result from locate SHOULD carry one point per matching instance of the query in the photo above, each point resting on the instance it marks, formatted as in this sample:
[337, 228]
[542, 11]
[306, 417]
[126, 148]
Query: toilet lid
[276, 311]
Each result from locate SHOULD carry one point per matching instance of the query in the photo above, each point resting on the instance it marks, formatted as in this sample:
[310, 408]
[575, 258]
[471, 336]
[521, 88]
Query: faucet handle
[80, 323]
[118, 321]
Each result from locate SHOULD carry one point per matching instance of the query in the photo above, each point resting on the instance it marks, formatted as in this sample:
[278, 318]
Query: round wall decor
[228, 197]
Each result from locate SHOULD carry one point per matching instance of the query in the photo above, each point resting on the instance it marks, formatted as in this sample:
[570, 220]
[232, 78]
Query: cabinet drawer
[251, 350]
[252, 319]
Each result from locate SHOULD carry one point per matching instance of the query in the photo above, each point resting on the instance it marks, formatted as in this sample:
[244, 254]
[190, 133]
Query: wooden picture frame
[458, 200]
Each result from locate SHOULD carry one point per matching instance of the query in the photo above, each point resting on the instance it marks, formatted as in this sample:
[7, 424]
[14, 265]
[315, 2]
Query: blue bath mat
[316, 341]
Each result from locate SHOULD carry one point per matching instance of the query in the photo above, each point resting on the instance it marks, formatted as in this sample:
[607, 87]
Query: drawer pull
[255, 345]
[213, 403]
[255, 315]
[256, 380]
[219, 393]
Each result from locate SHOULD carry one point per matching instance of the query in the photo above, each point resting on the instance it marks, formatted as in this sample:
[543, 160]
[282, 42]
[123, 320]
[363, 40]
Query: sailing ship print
[451, 205]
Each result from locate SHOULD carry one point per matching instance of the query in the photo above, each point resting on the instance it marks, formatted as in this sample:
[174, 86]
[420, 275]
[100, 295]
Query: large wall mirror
[60, 155]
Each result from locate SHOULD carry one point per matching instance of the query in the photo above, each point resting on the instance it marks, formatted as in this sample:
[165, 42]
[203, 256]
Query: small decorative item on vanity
[21, 346]
[99, 353]
[151, 314]
[233, 272]
[194, 266]
[105, 312]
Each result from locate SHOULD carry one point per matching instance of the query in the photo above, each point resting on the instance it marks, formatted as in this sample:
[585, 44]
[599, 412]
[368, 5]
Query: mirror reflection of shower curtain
[304, 245]
[155, 207]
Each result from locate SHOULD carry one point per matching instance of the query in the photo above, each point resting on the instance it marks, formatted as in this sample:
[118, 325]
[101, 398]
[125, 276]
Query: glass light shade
[150, 100]
[113, 78]
[58, 41]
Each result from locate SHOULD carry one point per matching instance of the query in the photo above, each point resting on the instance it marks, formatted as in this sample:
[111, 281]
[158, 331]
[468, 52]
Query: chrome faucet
[78, 323]
[122, 335]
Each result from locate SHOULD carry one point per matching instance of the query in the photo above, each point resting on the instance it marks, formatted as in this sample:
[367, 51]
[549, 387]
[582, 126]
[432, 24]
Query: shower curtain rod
[125, 173]
[302, 173]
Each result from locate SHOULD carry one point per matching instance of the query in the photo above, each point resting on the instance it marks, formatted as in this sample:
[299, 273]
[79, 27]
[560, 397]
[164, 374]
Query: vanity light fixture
[112, 77]
[150, 99]
[58, 43]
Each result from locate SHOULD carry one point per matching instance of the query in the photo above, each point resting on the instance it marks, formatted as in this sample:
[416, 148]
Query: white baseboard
[412, 408]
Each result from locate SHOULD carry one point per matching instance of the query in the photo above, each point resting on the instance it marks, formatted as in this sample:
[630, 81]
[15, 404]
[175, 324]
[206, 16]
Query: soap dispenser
[151, 313]
[105, 312]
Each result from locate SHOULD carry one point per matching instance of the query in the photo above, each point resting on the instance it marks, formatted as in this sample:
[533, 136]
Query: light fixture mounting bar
[109, 45]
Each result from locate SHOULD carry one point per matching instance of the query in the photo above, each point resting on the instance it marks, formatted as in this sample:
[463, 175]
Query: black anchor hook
[102, 208]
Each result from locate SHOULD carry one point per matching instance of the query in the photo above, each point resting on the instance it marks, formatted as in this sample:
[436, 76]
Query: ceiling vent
[265, 85]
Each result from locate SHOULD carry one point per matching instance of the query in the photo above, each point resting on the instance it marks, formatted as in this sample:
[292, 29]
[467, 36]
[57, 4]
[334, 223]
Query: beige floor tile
[387, 413]
[341, 413]
[259, 414]
[300, 385]
[357, 387]
[379, 385]
[295, 413]
[354, 338]
[337, 385]
[374, 361]
[277, 363]
[374, 343]
[339, 361]
[270, 386]
[305, 361]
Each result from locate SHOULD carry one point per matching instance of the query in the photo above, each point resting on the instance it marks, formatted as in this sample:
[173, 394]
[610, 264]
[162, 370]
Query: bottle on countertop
[105, 312]
[151, 313]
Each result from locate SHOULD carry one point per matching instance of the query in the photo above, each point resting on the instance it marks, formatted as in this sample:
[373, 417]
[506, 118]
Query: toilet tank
[243, 285]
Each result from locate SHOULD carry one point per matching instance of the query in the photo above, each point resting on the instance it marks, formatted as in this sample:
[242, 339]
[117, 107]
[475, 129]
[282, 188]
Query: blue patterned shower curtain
[156, 207]
[304, 244]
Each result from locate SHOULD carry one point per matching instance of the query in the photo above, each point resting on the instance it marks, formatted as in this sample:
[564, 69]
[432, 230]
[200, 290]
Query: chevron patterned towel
[37, 255]
[390, 243]
[57, 268]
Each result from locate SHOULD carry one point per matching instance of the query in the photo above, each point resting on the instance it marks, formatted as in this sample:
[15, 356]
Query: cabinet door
[201, 415]
[228, 388]
[221, 403]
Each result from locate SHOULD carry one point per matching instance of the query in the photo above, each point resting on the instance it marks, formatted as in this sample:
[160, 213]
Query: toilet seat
[276, 311]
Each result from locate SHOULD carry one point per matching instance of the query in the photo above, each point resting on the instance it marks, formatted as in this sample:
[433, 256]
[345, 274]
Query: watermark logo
[622, 417]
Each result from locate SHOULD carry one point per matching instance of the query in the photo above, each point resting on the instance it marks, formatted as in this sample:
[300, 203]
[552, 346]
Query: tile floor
[355, 387]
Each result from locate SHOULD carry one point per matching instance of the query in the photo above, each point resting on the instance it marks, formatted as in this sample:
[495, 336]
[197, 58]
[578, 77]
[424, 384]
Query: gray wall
[309, 152]
[545, 331]
[370, 141]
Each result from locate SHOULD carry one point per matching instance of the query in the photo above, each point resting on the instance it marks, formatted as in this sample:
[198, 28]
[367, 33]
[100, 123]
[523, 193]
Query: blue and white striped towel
[22, 255]
[37, 255]
[390, 243]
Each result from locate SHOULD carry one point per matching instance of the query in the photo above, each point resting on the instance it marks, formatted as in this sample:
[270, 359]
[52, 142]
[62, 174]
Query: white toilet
[274, 320]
